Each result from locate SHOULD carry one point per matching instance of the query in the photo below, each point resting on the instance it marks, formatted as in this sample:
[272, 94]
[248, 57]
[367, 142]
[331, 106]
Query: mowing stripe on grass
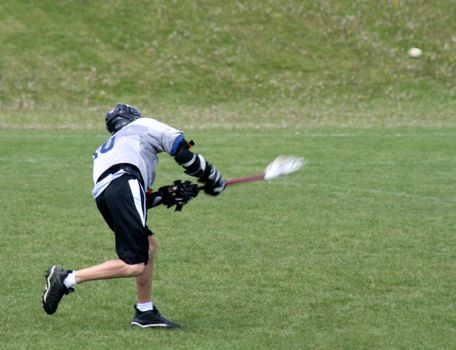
[383, 192]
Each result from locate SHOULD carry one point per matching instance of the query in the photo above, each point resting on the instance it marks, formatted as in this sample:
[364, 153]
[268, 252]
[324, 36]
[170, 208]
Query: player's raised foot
[55, 289]
[152, 319]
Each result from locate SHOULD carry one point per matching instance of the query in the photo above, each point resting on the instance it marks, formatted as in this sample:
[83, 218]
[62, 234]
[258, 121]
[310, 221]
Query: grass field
[355, 251]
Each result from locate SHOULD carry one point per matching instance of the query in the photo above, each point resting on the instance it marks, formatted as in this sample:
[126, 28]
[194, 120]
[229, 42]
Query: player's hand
[215, 183]
[178, 194]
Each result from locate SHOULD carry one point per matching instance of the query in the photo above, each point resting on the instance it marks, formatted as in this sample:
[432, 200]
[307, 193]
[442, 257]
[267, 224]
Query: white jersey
[137, 143]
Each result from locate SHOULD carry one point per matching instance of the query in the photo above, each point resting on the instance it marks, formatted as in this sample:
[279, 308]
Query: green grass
[355, 251]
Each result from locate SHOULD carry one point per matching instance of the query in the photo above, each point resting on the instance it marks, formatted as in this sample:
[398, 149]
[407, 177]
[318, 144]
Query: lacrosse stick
[280, 166]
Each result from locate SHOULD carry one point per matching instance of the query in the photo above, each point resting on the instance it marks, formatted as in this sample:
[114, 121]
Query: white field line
[361, 133]
[386, 162]
[36, 160]
[302, 133]
[53, 136]
[383, 192]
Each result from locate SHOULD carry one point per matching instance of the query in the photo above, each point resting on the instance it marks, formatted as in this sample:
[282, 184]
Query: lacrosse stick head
[283, 165]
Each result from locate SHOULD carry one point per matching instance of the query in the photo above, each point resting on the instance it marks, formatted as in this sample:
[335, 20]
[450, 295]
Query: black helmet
[121, 115]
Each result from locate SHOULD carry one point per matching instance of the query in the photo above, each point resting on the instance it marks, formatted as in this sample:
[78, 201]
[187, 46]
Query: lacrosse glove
[177, 195]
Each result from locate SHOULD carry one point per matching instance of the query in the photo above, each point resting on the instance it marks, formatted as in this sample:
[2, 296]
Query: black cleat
[152, 319]
[55, 289]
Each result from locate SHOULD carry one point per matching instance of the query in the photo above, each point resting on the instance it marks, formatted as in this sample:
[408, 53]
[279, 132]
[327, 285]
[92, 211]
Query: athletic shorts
[123, 206]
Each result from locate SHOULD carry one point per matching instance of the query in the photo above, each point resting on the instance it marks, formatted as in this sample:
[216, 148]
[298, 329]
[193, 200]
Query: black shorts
[123, 206]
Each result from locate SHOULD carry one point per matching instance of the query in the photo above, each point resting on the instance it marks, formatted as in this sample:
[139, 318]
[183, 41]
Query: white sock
[70, 280]
[145, 306]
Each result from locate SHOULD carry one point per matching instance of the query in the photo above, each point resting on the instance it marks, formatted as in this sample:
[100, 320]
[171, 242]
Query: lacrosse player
[123, 169]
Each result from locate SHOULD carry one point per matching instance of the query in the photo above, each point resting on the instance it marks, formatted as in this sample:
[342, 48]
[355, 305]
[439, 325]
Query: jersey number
[105, 147]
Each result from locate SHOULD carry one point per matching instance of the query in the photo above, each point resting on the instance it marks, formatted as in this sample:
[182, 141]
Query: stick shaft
[240, 180]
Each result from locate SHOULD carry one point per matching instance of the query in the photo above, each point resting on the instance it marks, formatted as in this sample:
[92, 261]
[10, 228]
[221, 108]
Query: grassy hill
[218, 63]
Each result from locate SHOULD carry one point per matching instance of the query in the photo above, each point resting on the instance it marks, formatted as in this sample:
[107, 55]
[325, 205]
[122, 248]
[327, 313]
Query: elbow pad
[194, 164]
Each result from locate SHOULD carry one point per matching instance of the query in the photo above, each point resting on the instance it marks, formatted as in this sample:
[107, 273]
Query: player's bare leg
[109, 269]
[144, 280]
[59, 281]
[146, 313]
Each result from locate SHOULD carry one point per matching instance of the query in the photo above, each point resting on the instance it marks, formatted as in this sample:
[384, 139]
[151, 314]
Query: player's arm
[197, 166]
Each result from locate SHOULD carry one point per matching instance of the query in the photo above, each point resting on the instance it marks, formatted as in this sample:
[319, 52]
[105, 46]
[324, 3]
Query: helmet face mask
[121, 115]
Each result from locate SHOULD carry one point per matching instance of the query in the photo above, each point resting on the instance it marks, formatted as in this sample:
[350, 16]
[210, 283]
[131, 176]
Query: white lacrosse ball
[415, 52]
